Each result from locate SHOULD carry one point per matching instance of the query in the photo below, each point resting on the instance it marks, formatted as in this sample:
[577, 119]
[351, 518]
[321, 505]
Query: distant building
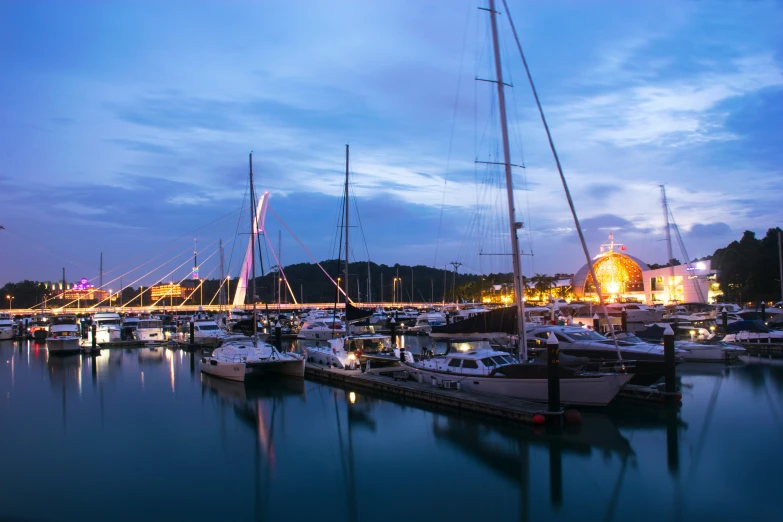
[623, 276]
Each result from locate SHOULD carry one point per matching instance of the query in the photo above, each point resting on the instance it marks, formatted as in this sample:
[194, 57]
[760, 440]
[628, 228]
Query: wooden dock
[383, 381]
[770, 350]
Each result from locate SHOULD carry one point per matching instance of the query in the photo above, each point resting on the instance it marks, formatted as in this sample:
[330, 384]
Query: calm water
[141, 434]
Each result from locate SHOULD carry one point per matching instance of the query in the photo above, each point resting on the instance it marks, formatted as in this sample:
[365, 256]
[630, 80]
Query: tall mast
[222, 295]
[518, 295]
[346, 229]
[669, 253]
[279, 266]
[253, 232]
[780, 262]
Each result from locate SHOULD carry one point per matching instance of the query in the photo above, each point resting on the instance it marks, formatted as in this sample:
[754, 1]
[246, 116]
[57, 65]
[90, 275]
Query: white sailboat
[481, 368]
[235, 360]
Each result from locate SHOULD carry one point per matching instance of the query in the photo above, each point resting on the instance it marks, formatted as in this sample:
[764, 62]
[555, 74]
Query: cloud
[709, 230]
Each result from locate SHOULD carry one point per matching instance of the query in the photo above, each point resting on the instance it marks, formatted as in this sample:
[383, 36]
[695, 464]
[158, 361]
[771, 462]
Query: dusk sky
[126, 127]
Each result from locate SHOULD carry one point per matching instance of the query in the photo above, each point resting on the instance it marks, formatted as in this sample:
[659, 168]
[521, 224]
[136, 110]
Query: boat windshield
[150, 324]
[105, 322]
[208, 327]
[585, 335]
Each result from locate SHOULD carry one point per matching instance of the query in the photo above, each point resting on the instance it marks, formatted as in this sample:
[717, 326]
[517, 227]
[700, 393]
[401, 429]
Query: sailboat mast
[253, 232]
[669, 253]
[346, 228]
[518, 295]
[780, 263]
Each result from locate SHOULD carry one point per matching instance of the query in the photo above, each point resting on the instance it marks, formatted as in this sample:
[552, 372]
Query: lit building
[619, 274]
[83, 290]
[622, 276]
[694, 283]
[168, 292]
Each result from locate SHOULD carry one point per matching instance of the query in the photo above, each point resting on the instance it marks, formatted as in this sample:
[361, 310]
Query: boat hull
[583, 391]
[63, 344]
[233, 371]
[293, 367]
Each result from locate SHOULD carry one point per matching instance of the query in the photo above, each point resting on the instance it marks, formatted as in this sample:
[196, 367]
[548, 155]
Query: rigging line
[280, 268]
[143, 276]
[687, 263]
[307, 251]
[131, 270]
[198, 286]
[451, 135]
[236, 230]
[359, 218]
[589, 259]
[188, 235]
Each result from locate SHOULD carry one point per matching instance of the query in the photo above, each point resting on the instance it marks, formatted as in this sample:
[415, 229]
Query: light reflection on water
[141, 433]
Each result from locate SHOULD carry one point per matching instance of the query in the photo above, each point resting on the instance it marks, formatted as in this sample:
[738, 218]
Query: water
[140, 434]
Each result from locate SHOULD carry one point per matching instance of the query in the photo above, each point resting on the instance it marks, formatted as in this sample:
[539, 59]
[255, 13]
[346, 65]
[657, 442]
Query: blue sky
[126, 127]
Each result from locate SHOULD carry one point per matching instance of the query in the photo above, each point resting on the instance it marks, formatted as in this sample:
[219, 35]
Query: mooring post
[624, 320]
[94, 336]
[763, 312]
[725, 320]
[553, 372]
[192, 326]
[668, 357]
[278, 336]
[596, 323]
[393, 327]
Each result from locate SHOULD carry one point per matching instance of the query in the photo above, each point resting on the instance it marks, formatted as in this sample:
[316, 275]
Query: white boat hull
[233, 371]
[6, 334]
[583, 391]
[290, 367]
[63, 344]
[319, 335]
[710, 354]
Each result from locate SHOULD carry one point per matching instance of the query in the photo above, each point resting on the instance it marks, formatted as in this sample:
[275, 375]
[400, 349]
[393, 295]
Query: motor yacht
[149, 331]
[477, 367]
[647, 359]
[64, 336]
[7, 329]
[354, 351]
[108, 328]
[426, 320]
[321, 330]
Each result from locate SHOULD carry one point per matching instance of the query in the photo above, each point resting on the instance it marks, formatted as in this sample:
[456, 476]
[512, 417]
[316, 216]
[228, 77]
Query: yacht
[355, 351]
[321, 330]
[646, 359]
[477, 367]
[239, 360]
[149, 330]
[109, 328]
[426, 320]
[6, 327]
[39, 329]
[752, 332]
[635, 312]
[64, 336]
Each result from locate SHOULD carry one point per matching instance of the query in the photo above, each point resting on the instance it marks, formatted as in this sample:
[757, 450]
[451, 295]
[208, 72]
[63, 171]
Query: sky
[126, 128]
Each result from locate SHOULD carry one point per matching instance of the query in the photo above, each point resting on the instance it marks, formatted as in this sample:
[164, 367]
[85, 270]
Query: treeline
[749, 269]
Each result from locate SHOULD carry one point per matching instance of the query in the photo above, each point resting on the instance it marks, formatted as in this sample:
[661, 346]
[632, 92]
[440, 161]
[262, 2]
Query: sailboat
[237, 359]
[353, 350]
[479, 367]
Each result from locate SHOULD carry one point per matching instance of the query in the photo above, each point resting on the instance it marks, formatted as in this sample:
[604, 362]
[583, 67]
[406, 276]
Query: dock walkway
[507, 408]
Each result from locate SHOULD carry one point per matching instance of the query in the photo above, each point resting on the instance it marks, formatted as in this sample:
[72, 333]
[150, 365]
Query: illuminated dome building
[620, 275]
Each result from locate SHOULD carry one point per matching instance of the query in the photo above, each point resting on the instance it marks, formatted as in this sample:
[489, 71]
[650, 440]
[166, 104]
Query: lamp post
[10, 300]
[141, 297]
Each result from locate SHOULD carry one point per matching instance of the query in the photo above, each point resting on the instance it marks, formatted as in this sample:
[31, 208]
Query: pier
[384, 381]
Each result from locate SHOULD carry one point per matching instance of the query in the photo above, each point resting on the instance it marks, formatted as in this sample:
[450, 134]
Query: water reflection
[146, 419]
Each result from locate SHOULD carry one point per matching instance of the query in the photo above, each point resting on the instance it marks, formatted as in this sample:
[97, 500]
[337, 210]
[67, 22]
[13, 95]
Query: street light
[10, 299]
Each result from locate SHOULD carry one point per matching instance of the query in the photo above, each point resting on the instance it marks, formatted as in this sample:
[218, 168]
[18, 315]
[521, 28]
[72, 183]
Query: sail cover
[353, 313]
[500, 320]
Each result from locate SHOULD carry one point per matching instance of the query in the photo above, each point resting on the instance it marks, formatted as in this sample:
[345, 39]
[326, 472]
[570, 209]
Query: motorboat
[635, 312]
[39, 329]
[752, 332]
[321, 330]
[354, 351]
[426, 320]
[149, 330]
[477, 367]
[718, 351]
[64, 337]
[108, 328]
[239, 360]
[206, 332]
[647, 359]
[7, 329]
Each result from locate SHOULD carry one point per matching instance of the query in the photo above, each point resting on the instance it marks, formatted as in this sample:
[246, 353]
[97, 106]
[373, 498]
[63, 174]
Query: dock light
[351, 357]
[352, 397]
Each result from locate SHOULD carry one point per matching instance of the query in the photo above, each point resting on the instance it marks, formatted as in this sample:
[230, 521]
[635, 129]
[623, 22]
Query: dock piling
[624, 320]
[192, 326]
[596, 323]
[278, 336]
[94, 336]
[725, 320]
[553, 373]
[669, 361]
